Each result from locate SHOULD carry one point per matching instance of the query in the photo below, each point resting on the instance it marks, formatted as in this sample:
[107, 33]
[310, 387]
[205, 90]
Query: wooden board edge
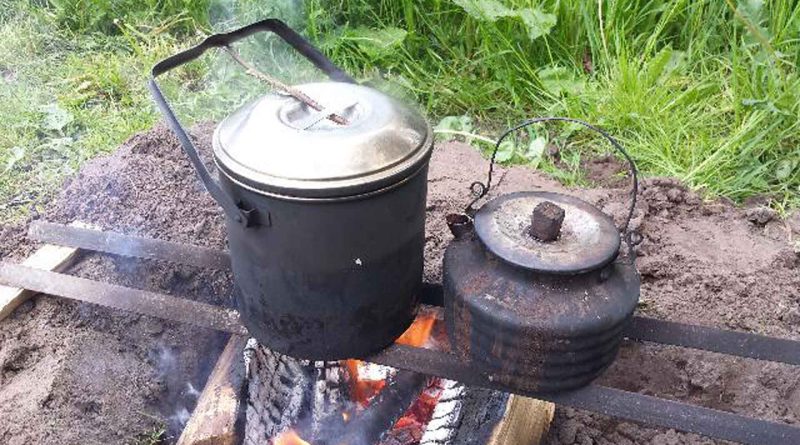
[47, 257]
[214, 418]
[526, 422]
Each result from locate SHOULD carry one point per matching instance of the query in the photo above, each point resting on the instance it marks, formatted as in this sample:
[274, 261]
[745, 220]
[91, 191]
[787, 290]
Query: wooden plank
[526, 422]
[213, 420]
[48, 257]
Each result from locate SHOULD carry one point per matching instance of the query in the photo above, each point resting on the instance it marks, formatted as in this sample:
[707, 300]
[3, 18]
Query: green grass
[74, 75]
[67, 97]
[704, 90]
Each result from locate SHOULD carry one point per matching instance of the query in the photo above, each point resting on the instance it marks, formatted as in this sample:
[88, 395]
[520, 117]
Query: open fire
[289, 437]
[367, 380]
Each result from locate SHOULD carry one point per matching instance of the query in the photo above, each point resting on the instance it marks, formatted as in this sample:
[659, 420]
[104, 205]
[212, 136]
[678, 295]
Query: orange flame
[362, 390]
[416, 335]
[289, 437]
[419, 331]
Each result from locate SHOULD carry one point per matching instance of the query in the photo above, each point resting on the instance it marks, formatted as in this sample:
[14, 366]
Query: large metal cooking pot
[325, 221]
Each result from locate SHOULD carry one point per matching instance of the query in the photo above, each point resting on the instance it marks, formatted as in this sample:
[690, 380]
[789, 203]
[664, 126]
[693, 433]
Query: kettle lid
[278, 145]
[588, 238]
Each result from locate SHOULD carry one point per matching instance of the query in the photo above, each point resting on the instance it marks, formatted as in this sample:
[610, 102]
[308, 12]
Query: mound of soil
[76, 373]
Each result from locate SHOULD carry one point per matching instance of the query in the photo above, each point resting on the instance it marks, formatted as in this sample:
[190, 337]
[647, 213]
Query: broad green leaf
[658, 64]
[537, 22]
[484, 10]
[55, 117]
[455, 123]
[17, 153]
[752, 10]
[785, 168]
[754, 13]
[764, 104]
[61, 146]
[377, 43]
[505, 152]
[559, 80]
[661, 66]
[535, 151]
[453, 126]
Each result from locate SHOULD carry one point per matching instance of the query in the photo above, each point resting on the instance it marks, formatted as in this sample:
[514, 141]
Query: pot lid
[588, 238]
[278, 145]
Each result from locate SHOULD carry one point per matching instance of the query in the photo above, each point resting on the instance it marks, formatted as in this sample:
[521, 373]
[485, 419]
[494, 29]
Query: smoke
[192, 391]
[226, 86]
[179, 393]
[178, 421]
[230, 14]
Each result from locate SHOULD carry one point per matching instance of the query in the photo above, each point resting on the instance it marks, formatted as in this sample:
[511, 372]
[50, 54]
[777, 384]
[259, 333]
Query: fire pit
[601, 399]
[297, 402]
[347, 387]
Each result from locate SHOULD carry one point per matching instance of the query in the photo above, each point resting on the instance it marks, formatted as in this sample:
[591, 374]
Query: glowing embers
[411, 426]
[367, 379]
[383, 405]
[289, 437]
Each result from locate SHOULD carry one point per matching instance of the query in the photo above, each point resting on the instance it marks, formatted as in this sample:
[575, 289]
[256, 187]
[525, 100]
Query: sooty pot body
[538, 330]
[330, 265]
[324, 199]
[330, 280]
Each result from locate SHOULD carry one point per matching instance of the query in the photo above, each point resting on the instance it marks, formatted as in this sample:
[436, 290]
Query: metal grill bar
[128, 245]
[734, 343]
[121, 297]
[740, 344]
[642, 328]
[608, 401]
[604, 400]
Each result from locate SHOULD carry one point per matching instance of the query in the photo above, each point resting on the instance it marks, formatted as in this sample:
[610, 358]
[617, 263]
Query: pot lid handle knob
[546, 221]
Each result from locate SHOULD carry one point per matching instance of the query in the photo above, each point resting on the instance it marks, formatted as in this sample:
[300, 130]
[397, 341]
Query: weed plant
[74, 76]
[704, 90]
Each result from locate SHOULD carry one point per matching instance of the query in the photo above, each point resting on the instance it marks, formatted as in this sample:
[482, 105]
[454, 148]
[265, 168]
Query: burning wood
[295, 402]
[409, 429]
[289, 437]
[365, 385]
[375, 404]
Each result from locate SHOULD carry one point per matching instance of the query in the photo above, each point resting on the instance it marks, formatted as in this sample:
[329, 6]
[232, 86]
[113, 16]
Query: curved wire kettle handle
[295, 40]
[480, 189]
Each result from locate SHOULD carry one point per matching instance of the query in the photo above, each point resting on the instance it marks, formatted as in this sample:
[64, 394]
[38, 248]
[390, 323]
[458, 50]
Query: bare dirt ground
[75, 373]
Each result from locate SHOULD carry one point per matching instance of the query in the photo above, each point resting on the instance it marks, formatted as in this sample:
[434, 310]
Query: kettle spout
[460, 225]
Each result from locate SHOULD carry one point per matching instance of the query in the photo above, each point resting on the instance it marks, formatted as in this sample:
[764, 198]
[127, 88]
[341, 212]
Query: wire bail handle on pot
[223, 40]
[480, 190]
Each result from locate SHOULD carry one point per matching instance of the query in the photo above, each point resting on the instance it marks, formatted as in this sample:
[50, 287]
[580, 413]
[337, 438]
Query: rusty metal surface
[536, 331]
[588, 240]
[546, 221]
[121, 297]
[741, 344]
[128, 245]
